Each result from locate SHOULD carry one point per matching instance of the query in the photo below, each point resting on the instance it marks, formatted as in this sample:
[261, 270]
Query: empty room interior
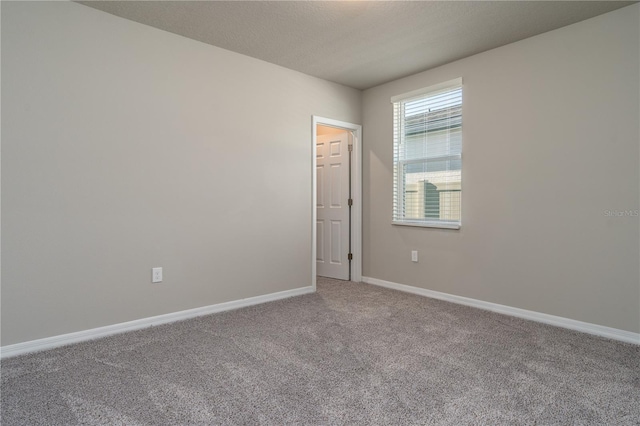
[310, 212]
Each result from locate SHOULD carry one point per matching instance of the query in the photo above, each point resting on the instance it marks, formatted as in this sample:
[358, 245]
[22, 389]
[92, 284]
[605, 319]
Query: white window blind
[427, 156]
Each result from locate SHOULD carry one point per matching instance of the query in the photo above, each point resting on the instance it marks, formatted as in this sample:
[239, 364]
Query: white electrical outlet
[414, 255]
[156, 275]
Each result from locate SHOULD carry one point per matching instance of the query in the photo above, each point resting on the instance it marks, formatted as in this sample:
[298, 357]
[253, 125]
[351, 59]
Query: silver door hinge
[350, 148]
[350, 256]
[350, 202]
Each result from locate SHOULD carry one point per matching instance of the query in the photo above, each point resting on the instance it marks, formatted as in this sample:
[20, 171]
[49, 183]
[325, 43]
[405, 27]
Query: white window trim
[427, 90]
[426, 224]
[430, 90]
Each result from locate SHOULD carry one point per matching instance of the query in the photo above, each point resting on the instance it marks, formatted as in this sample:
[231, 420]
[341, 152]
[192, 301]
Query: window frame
[399, 165]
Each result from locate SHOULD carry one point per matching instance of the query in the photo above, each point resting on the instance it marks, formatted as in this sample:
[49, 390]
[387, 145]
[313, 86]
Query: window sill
[442, 225]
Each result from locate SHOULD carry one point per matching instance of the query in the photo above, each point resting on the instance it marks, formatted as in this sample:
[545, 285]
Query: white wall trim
[95, 333]
[585, 327]
[356, 192]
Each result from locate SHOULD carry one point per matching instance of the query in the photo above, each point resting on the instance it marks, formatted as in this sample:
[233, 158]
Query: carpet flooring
[349, 354]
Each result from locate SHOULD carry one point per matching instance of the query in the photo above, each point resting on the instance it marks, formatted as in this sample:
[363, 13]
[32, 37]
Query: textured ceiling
[357, 43]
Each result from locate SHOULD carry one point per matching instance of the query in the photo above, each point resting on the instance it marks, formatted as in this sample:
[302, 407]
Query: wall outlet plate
[156, 275]
[414, 255]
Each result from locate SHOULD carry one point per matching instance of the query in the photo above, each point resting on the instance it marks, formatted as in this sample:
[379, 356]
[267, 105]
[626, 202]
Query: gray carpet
[349, 354]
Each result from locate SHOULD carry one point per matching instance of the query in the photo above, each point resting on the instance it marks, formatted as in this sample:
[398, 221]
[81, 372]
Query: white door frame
[356, 194]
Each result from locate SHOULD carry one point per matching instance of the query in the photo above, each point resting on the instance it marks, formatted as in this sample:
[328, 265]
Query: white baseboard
[585, 327]
[94, 333]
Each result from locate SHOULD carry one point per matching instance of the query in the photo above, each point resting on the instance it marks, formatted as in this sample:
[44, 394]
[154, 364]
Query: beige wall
[550, 143]
[125, 147]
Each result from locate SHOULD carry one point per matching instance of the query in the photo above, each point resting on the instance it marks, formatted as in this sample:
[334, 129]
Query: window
[427, 156]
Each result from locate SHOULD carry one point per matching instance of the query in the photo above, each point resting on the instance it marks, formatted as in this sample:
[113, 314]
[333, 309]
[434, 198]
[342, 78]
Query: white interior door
[332, 226]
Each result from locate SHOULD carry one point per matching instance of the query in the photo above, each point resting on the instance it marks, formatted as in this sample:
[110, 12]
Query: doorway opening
[337, 200]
